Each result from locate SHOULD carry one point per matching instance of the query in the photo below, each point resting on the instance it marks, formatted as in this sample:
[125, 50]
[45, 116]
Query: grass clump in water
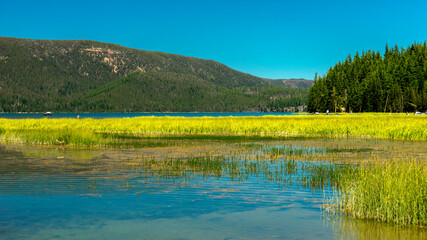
[393, 191]
[52, 137]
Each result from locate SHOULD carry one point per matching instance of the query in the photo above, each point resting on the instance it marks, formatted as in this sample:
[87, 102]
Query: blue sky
[272, 39]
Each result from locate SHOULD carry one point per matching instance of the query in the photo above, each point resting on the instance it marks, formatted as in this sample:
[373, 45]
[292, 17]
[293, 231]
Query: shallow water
[81, 193]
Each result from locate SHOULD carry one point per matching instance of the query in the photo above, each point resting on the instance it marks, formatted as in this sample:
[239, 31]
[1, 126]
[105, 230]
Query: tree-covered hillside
[69, 76]
[371, 82]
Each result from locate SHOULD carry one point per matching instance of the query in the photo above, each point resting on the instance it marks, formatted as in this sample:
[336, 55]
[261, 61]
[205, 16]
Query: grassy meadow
[105, 132]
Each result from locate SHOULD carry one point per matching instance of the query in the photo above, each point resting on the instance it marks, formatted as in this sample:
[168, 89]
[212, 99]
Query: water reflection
[349, 228]
[78, 172]
[46, 191]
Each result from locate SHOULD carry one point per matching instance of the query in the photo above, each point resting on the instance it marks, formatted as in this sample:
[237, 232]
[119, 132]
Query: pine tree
[394, 82]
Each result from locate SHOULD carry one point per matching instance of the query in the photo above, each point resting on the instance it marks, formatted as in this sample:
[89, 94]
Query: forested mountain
[88, 76]
[297, 83]
[371, 82]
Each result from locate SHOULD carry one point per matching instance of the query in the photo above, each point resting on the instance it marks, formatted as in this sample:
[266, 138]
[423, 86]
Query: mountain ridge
[63, 75]
[296, 82]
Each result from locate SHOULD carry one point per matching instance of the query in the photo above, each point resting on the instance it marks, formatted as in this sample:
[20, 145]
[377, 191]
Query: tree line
[371, 82]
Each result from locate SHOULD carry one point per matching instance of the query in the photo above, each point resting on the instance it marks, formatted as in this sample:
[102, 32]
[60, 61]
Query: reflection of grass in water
[350, 228]
[353, 150]
[74, 153]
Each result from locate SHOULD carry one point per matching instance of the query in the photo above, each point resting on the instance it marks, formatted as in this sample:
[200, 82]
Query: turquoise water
[80, 193]
[222, 212]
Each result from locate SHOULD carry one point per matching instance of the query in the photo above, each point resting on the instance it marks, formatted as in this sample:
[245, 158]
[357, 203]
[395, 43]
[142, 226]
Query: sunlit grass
[87, 131]
[392, 191]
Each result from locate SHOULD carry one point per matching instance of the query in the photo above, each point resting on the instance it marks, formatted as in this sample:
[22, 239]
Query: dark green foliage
[88, 76]
[395, 82]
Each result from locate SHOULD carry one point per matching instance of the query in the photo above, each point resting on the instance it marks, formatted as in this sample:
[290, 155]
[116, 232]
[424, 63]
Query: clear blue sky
[272, 39]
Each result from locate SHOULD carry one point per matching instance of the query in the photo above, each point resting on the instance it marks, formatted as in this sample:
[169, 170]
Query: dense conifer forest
[89, 76]
[371, 82]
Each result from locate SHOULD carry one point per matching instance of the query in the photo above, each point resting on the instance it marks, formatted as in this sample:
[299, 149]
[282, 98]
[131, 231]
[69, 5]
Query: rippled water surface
[185, 190]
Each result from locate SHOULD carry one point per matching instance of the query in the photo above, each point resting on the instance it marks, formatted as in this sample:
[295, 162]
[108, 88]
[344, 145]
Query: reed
[87, 131]
[392, 191]
[283, 173]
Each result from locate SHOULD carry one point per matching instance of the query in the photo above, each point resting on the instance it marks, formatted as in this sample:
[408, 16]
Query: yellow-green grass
[86, 131]
[393, 191]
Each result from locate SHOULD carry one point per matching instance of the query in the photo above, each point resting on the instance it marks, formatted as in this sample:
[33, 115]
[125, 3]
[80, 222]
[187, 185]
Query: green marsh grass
[102, 132]
[393, 191]
[263, 163]
[282, 173]
[390, 191]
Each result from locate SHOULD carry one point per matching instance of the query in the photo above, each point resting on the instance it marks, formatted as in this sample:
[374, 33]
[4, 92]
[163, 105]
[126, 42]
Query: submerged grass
[104, 132]
[284, 173]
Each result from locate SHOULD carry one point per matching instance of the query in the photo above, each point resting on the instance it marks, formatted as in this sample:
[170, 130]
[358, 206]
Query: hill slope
[295, 82]
[80, 75]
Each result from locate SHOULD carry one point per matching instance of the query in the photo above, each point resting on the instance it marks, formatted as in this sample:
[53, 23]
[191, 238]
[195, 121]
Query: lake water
[185, 190]
[131, 115]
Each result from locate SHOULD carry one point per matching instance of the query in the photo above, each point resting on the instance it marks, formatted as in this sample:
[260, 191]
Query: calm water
[131, 115]
[80, 193]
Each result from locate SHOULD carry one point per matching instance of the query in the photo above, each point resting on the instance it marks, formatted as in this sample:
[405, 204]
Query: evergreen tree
[370, 82]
